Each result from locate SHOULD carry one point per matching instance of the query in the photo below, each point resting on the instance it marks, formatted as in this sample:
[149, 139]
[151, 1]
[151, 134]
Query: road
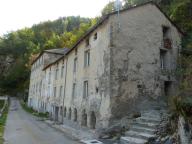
[23, 128]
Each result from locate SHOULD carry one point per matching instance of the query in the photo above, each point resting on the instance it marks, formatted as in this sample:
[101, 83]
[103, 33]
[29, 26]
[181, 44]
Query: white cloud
[16, 14]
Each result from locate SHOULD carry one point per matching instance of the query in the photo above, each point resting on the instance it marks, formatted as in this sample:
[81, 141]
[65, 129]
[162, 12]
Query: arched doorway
[65, 112]
[84, 118]
[92, 120]
[69, 116]
[75, 114]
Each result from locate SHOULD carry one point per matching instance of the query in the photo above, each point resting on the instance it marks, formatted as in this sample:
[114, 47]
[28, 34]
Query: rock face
[5, 63]
[142, 128]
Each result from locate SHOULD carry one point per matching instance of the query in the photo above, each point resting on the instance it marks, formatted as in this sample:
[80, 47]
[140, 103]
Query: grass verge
[3, 119]
[32, 111]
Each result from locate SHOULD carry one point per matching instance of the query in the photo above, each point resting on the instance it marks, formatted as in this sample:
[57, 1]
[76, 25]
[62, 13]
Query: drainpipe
[64, 90]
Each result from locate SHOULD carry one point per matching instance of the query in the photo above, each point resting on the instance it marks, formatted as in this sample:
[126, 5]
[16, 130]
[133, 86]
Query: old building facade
[124, 64]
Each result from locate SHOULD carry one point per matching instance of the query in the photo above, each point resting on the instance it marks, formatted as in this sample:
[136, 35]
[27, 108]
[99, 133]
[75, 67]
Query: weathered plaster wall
[97, 75]
[136, 79]
[35, 80]
[36, 94]
[124, 74]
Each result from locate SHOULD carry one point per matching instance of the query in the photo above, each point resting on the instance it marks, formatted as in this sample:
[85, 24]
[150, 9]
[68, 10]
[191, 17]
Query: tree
[24, 44]
[110, 7]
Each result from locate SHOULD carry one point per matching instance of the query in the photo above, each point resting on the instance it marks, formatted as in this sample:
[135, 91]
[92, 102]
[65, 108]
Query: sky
[17, 14]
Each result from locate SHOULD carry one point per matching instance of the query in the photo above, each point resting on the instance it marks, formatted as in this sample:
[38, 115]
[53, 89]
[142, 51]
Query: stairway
[142, 128]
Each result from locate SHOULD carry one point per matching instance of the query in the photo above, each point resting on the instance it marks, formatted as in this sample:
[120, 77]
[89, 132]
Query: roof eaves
[81, 39]
[105, 18]
[172, 22]
[54, 62]
[153, 3]
[44, 51]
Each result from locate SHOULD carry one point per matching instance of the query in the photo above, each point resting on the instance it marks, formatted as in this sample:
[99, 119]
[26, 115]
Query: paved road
[23, 128]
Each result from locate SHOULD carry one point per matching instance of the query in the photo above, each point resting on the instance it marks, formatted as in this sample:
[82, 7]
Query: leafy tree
[24, 44]
[110, 7]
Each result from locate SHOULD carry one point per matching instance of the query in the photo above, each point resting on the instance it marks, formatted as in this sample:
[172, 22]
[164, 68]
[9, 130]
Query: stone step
[150, 119]
[131, 140]
[145, 124]
[140, 135]
[91, 142]
[149, 115]
[143, 129]
[147, 119]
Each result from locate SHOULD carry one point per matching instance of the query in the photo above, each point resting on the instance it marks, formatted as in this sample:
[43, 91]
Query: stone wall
[136, 80]
[123, 76]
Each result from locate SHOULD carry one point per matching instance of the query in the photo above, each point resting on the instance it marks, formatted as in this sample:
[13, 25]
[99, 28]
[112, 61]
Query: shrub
[182, 104]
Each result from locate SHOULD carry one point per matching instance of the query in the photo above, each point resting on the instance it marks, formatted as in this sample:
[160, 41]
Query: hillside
[24, 44]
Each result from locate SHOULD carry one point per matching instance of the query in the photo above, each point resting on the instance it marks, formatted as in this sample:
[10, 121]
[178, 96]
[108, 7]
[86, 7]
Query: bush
[182, 104]
[34, 112]
[3, 119]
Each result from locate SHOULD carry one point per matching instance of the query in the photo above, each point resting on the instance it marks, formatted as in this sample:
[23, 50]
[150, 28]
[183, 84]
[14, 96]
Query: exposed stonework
[124, 70]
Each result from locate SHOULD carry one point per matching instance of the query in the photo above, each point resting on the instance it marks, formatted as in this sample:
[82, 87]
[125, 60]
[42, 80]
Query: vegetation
[3, 119]
[23, 45]
[32, 111]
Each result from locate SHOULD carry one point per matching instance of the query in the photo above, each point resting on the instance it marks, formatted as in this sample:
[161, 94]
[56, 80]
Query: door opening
[167, 88]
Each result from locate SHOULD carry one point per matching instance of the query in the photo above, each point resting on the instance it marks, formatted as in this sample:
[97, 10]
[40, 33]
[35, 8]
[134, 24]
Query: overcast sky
[17, 14]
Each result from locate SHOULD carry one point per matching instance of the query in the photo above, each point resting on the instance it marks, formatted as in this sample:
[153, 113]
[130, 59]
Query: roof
[54, 60]
[59, 51]
[103, 19]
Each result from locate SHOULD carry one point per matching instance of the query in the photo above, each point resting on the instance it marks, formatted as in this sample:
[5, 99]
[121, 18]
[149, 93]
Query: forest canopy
[19, 47]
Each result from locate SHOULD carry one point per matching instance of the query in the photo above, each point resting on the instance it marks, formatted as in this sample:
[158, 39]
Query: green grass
[32, 111]
[3, 119]
[1, 104]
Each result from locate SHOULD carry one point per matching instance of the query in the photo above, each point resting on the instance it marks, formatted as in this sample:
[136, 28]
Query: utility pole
[118, 6]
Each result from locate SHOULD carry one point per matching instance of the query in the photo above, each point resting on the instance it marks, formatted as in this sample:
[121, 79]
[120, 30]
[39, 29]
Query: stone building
[37, 76]
[124, 64]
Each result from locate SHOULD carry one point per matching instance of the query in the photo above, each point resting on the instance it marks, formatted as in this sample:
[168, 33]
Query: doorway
[167, 88]
[56, 113]
[92, 120]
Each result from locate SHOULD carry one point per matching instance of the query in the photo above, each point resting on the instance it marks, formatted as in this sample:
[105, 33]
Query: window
[56, 73]
[85, 89]
[163, 59]
[165, 31]
[36, 87]
[61, 91]
[87, 42]
[166, 37]
[87, 58]
[95, 36]
[49, 91]
[75, 65]
[49, 81]
[55, 92]
[62, 71]
[74, 90]
[40, 86]
[76, 51]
